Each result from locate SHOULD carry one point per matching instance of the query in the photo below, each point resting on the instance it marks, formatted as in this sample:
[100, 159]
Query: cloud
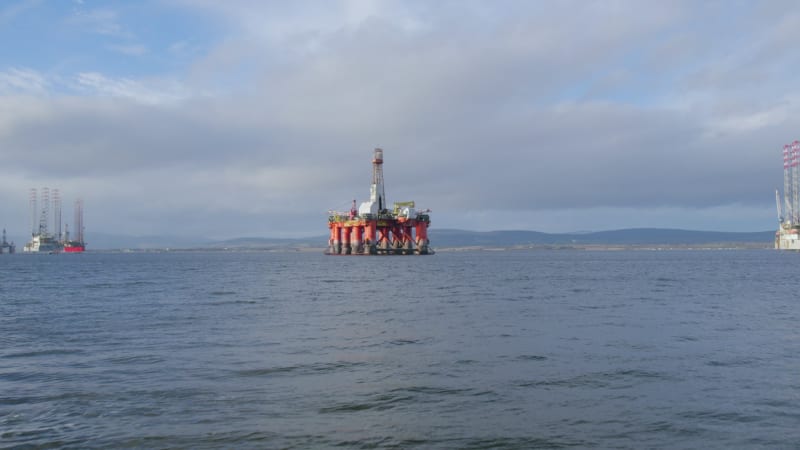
[588, 114]
[22, 80]
[278, 21]
[94, 83]
[100, 21]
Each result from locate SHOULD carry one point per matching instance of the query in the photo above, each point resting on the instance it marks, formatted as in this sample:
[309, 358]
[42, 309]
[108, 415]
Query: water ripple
[495, 350]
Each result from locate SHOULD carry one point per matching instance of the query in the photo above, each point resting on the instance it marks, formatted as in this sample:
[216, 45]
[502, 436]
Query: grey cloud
[561, 106]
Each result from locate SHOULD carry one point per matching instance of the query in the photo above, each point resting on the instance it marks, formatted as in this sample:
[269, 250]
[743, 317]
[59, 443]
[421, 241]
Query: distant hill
[270, 243]
[103, 241]
[448, 238]
[633, 236]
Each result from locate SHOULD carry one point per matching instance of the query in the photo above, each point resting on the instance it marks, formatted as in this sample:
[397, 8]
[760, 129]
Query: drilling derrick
[78, 224]
[76, 244]
[57, 214]
[377, 192]
[45, 213]
[787, 183]
[795, 152]
[32, 198]
[374, 229]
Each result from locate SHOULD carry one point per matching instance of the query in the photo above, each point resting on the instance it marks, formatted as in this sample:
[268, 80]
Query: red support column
[372, 230]
[358, 239]
[422, 237]
[337, 239]
[346, 238]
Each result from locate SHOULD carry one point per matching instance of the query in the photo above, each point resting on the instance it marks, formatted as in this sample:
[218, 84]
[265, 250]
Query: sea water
[478, 349]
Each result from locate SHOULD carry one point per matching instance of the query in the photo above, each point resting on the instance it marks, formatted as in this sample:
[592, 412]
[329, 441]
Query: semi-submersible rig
[374, 229]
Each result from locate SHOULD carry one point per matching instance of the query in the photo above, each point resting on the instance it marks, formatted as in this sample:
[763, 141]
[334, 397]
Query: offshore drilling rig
[788, 235]
[44, 241]
[6, 246]
[374, 229]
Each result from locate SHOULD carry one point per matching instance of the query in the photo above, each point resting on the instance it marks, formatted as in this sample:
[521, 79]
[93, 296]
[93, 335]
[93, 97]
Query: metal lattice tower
[45, 213]
[378, 194]
[57, 213]
[78, 225]
[787, 184]
[32, 197]
[794, 152]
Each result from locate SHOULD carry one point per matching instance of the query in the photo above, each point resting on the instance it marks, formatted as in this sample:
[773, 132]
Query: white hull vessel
[787, 239]
[42, 244]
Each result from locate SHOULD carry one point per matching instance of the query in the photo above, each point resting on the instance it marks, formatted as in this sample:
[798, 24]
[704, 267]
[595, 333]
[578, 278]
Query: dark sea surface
[513, 349]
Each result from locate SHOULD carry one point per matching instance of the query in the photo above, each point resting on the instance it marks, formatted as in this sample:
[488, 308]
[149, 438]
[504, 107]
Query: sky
[255, 117]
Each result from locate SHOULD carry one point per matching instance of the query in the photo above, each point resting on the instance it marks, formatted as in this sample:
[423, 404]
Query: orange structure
[373, 229]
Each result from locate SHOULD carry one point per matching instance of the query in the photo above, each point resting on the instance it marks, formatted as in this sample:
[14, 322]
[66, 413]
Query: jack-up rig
[374, 229]
[788, 235]
[42, 241]
[6, 246]
[78, 244]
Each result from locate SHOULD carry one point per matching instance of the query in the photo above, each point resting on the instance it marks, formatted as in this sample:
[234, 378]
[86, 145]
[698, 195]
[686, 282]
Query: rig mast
[377, 192]
[45, 213]
[57, 214]
[787, 183]
[78, 224]
[32, 198]
[795, 151]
